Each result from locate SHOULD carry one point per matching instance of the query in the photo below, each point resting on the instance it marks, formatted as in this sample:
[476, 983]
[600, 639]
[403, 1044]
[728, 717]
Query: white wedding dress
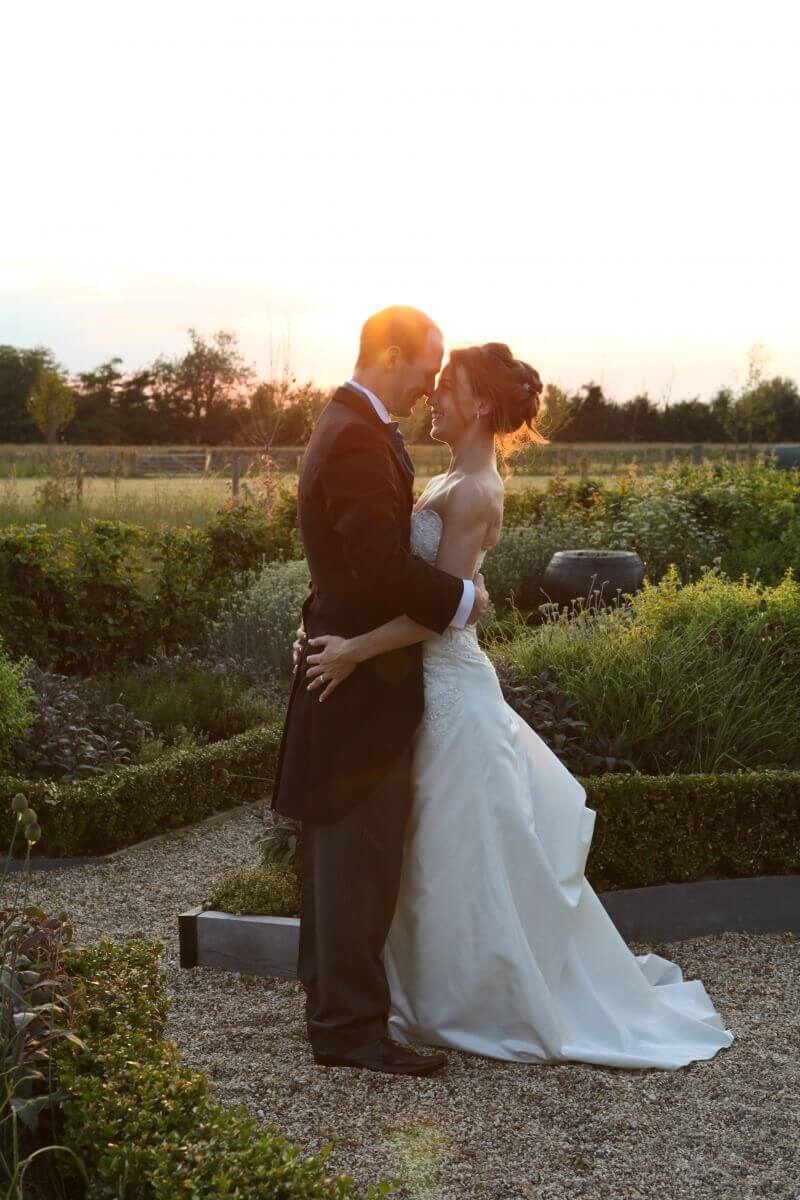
[499, 945]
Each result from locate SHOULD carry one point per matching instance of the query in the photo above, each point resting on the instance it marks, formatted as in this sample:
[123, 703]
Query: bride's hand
[329, 664]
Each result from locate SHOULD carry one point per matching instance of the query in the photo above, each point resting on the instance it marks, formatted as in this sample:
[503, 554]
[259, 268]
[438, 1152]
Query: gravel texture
[725, 1128]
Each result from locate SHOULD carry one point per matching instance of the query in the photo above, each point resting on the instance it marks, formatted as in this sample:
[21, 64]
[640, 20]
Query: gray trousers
[351, 877]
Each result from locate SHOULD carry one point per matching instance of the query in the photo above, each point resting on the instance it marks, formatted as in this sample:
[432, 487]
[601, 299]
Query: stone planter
[669, 912]
[576, 574]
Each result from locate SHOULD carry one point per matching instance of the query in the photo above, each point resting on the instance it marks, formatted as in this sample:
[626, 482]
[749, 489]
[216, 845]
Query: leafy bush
[280, 843]
[746, 518]
[704, 677]
[270, 889]
[16, 709]
[74, 733]
[654, 829]
[35, 1000]
[657, 519]
[106, 812]
[514, 568]
[256, 626]
[143, 1124]
[680, 828]
[108, 593]
[187, 694]
[540, 702]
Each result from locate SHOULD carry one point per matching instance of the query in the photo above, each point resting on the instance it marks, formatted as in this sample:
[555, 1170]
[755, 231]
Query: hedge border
[656, 829]
[139, 1119]
[96, 816]
[651, 829]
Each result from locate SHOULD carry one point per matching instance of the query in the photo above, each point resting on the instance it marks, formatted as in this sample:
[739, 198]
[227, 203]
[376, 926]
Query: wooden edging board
[262, 945]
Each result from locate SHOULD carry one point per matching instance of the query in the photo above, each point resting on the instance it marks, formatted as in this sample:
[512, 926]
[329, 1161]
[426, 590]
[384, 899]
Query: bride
[498, 944]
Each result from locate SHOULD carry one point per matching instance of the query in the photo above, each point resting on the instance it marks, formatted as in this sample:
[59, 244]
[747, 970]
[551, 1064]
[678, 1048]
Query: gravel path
[484, 1129]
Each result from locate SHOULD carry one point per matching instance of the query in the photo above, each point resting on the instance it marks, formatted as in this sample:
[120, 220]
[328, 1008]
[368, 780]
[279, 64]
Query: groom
[344, 766]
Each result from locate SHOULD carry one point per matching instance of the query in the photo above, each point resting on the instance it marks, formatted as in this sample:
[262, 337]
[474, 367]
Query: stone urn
[579, 574]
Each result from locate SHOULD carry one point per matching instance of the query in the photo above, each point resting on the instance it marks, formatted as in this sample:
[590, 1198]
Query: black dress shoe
[387, 1056]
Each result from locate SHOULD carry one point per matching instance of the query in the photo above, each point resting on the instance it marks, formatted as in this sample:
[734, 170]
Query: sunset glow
[606, 187]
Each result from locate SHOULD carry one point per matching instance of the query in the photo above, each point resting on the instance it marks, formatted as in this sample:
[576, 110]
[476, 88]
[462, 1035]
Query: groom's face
[414, 380]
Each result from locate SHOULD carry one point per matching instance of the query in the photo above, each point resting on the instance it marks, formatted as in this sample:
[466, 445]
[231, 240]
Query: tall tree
[282, 413]
[95, 393]
[198, 394]
[19, 371]
[770, 411]
[642, 419]
[51, 404]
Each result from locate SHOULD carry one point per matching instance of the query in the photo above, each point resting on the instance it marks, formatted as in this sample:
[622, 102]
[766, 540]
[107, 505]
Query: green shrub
[270, 889]
[174, 698]
[256, 626]
[73, 733]
[654, 829]
[513, 569]
[104, 813]
[699, 678]
[143, 1124]
[746, 518]
[35, 999]
[660, 524]
[108, 593]
[680, 828]
[16, 708]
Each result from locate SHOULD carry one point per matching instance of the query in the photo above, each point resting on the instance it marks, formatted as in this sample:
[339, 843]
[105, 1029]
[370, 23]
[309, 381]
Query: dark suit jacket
[354, 511]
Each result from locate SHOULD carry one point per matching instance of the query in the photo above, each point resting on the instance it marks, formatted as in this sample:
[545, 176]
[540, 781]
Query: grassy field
[184, 500]
[114, 486]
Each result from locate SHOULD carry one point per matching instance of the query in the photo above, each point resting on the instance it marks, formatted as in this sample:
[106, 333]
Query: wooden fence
[234, 462]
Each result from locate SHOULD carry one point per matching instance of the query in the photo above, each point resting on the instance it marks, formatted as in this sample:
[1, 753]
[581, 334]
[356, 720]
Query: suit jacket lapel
[360, 404]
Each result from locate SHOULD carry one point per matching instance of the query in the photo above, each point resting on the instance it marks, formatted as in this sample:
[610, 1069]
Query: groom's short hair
[399, 325]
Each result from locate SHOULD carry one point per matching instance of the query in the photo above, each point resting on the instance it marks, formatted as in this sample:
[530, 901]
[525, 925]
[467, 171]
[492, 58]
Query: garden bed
[267, 946]
[109, 812]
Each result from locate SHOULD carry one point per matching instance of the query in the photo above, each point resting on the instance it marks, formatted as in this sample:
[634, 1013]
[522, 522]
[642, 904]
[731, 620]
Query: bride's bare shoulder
[476, 498]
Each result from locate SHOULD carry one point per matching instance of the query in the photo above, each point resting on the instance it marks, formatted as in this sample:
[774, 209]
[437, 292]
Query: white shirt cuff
[465, 607]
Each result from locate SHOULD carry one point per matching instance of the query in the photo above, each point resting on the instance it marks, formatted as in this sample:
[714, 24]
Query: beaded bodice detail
[455, 645]
[426, 533]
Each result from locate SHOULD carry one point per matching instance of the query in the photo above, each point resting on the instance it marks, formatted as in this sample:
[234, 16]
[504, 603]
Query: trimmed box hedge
[143, 1124]
[107, 812]
[654, 829]
[651, 829]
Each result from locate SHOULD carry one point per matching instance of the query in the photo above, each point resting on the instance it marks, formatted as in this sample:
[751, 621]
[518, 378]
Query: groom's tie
[397, 438]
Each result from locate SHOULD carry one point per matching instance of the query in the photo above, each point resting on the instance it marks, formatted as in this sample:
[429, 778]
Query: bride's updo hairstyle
[511, 387]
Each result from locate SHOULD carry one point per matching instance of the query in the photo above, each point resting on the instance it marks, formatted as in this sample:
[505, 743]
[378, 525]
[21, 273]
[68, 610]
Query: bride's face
[453, 405]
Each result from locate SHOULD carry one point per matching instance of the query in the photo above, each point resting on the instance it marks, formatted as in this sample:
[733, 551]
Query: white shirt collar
[377, 404]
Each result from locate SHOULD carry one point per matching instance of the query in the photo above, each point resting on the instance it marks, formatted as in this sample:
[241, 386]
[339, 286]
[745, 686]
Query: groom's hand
[481, 600]
[297, 648]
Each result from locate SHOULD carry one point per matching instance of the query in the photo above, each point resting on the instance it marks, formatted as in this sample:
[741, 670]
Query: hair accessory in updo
[510, 386]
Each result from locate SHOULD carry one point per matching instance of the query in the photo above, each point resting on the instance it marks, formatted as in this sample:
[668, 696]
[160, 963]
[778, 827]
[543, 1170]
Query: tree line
[210, 396]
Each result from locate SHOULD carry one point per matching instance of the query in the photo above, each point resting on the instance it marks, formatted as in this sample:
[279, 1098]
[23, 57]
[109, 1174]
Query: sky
[607, 187]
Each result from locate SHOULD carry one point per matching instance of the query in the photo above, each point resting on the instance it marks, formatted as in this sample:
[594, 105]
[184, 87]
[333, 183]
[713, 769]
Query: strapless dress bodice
[454, 644]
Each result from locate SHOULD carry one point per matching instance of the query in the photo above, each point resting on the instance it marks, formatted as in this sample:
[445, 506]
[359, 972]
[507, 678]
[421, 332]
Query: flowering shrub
[658, 521]
[742, 519]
